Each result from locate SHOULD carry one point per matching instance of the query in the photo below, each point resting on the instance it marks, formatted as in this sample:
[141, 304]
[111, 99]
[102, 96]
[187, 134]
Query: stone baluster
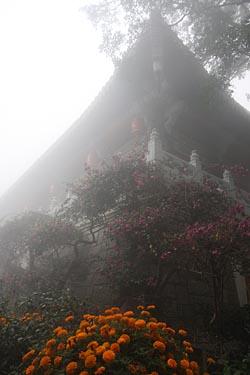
[229, 182]
[196, 164]
[155, 152]
[53, 206]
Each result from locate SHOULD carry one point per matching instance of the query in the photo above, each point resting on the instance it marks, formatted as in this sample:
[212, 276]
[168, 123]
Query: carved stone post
[229, 182]
[196, 164]
[155, 153]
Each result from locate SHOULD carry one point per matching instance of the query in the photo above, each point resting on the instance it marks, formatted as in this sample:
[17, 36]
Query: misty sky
[50, 70]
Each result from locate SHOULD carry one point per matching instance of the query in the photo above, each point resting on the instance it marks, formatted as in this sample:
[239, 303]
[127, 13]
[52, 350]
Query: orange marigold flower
[108, 356]
[151, 307]
[129, 313]
[28, 355]
[29, 370]
[172, 363]
[169, 330]
[35, 361]
[186, 343]
[118, 316]
[81, 336]
[62, 332]
[152, 326]
[69, 318]
[100, 370]
[194, 365]
[211, 361]
[92, 345]
[57, 329]
[71, 368]
[45, 361]
[206, 373]
[108, 312]
[145, 313]
[140, 323]
[90, 361]
[84, 373]
[140, 307]
[84, 324]
[189, 349]
[51, 342]
[57, 361]
[184, 363]
[182, 332]
[115, 309]
[189, 371]
[125, 319]
[115, 347]
[101, 319]
[100, 349]
[159, 346]
[60, 346]
[154, 373]
[132, 368]
[112, 332]
[124, 339]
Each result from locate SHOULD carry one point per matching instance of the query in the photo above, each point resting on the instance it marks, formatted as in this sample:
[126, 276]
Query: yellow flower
[159, 346]
[100, 370]
[45, 361]
[57, 361]
[71, 368]
[28, 355]
[90, 361]
[108, 356]
[29, 370]
[211, 361]
[140, 323]
[172, 363]
[69, 318]
[184, 363]
[182, 332]
[51, 342]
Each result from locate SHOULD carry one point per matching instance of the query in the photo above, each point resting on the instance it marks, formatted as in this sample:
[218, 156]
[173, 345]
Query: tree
[159, 225]
[41, 246]
[217, 31]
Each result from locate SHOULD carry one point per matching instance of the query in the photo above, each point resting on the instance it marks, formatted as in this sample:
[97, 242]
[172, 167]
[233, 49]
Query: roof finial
[156, 42]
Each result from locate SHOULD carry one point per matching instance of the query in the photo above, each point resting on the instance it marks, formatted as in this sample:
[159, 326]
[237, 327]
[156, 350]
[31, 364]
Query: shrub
[115, 344]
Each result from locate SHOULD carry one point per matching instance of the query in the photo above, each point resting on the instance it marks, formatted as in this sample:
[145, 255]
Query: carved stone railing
[178, 168]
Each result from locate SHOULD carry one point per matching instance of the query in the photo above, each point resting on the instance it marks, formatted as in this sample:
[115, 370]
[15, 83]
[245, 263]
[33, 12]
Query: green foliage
[217, 31]
[28, 319]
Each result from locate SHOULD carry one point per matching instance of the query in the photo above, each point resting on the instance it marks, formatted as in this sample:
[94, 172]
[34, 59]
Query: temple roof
[215, 122]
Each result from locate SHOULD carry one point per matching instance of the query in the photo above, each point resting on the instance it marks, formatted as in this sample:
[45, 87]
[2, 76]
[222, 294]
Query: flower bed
[114, 343]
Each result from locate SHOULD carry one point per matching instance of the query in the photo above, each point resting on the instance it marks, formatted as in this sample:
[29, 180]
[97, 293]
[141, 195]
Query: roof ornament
[156, 29]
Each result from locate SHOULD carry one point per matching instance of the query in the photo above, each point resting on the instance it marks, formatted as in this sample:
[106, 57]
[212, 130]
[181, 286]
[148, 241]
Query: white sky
[50, 70]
